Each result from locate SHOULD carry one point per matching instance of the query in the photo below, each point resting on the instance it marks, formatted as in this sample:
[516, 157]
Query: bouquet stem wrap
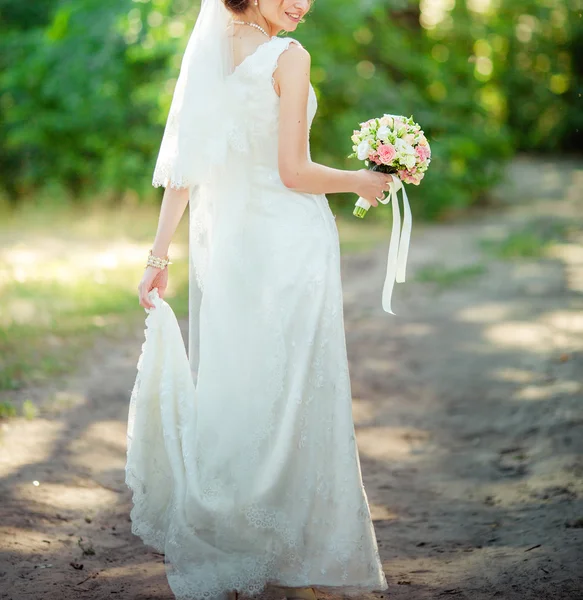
[400, 239]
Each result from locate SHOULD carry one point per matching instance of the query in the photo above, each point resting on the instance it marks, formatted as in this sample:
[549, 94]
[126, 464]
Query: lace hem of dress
[210, 548]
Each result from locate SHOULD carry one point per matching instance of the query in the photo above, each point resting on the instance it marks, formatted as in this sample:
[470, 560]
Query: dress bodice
[254, 121]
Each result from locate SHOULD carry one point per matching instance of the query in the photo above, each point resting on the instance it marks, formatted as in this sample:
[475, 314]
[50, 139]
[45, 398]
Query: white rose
[383, 133]
[401, 145]
[409, 161]
[387, 120]
[363, 149]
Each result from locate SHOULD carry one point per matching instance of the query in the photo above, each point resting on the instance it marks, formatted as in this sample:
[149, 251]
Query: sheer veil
[194, 152]
[195, 140]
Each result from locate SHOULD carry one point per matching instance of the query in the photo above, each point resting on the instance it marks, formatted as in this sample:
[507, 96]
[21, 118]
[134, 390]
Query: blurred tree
[85, 86]
[21, 16]
[538, 68]
[376, 57]
[73, 97]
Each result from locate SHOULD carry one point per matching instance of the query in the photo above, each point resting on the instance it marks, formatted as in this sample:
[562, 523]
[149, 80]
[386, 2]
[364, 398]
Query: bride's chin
[290, 26]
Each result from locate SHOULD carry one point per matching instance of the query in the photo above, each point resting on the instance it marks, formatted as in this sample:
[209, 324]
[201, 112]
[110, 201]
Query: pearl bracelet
[156, 261]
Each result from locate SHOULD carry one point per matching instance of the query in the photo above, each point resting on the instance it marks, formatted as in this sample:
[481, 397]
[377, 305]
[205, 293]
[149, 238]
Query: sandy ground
[469, 415]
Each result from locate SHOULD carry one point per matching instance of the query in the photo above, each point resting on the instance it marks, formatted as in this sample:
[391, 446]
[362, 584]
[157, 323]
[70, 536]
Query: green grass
[7, 409]
[356, 235]
[29, 410]
[69, 275]
[67, 278]
[48, 324]
[444, 277]
[531, 241]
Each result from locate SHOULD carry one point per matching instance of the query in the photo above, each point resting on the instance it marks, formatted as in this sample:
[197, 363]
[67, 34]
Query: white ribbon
[399, 245]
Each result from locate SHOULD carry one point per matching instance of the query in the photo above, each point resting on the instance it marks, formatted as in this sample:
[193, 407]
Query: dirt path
[469, 413]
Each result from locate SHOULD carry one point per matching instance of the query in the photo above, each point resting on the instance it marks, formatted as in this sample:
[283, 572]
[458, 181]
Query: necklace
[253, 25]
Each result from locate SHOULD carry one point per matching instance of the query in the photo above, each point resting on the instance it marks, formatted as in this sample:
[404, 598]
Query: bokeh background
[467, 404]
[85, 88]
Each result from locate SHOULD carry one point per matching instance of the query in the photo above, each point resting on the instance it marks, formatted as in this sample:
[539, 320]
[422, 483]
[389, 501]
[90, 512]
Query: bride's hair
[237, 6]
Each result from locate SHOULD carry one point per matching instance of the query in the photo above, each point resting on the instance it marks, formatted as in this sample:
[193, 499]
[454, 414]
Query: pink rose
[410, 176]
[416, 178]
[373, 155]
[423, 152]
[400, 127]
[386, 153]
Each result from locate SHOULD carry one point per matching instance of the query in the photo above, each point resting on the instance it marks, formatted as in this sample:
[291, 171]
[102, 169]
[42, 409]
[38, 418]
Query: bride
[242, 458]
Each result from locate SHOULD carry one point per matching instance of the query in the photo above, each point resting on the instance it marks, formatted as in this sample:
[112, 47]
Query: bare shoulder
[294, 56]
[292, 70]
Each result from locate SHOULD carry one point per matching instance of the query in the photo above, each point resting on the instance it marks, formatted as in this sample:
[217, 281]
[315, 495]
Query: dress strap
[263, 61]
[278, 47]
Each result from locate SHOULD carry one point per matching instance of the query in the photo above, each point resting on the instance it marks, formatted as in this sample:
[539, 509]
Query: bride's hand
[371, 185]
[152, 278]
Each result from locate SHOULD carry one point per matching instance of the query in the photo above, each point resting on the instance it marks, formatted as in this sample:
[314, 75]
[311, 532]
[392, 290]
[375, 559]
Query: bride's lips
[294, 17]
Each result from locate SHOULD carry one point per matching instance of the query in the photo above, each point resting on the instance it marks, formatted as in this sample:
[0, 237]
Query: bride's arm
[297, 171]
[173, 204]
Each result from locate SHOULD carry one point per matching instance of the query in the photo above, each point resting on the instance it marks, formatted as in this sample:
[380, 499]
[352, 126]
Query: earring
[255, 3]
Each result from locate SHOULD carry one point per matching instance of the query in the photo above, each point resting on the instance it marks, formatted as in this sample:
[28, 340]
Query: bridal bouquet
[397, 146]
[391, 144]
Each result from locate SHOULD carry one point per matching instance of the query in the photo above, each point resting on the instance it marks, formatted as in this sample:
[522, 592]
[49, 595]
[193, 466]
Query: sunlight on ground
[548, 391]
[45, 434]
[533, 337]
[150, 570]
[102, 445]
[364, 411]
[484, 313]
[22, 540]
[475, 563]
[417, 329]
[514, 375]
[69, 274]
[382, 512]
[394, 442]
[65, 497]
[571, 255]
[566, 320]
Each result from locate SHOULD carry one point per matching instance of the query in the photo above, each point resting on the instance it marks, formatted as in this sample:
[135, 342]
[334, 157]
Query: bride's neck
[252, 15]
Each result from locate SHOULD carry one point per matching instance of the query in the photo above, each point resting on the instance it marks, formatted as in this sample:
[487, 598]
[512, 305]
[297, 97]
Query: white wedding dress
[242, 457]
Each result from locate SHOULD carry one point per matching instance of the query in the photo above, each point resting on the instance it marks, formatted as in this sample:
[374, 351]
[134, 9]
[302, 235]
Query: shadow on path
[468, 407]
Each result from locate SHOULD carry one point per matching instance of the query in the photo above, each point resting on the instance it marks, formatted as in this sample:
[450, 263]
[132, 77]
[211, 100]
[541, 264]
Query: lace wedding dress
[242, 457]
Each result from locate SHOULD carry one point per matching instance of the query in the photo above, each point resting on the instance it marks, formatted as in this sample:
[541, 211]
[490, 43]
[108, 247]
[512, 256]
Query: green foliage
[536, 49]
[7, 410]
[29, 410]
[85, 87]
[75, 96]
[531, 241]
[445, 277]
